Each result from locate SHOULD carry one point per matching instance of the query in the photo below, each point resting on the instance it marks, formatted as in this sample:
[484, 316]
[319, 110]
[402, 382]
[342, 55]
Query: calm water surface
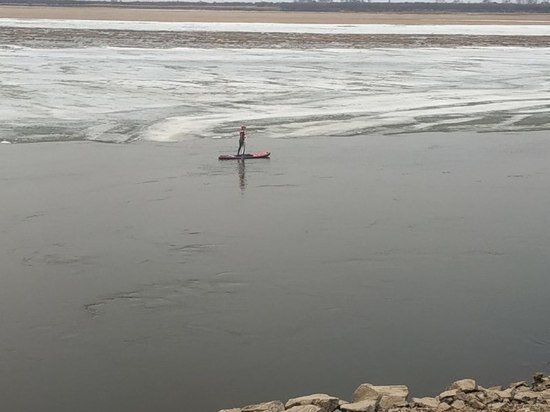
[153, 277]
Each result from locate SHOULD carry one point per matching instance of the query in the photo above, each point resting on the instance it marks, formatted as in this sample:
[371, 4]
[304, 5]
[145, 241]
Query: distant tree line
[485, 7]
[352, 6]
[146, 4]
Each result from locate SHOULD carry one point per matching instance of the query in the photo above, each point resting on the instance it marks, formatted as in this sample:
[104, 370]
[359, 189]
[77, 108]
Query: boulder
[517, 384]
[491, 396]
[481, 395]
[361, 406]
[306, 408]
[426, 402]
[394, 393]
[273, 406]
[464, 385]
[458, 404]
[497, 406]
[545, 395]
[505, 394]
[442, 407]
[541, 382]
[231, 410]
[526, 396]
[327, 402]
[391, 401]
[448, 395]
[475, 403]
[538, 377]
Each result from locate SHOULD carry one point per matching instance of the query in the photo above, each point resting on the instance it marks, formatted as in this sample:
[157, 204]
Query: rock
[545, 395]
[231, 410]
[492, 396]
[495, 388]
[327, 402]
[497, 406]
[476, 403]
[366, 391]
[505, 394]
[541, 382]
[390, 401]
[538, 377]
[479, 395]
[448, 394]
[443, 407]
[426, 402]
[517, 384]
[273, 406]
[458, 404]
[306, 408]
[361, 406]
[464, 385]
[461, 396]
[526, 396]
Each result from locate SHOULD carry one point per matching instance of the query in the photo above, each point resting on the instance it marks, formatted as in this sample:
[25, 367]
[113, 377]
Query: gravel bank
[59, 38]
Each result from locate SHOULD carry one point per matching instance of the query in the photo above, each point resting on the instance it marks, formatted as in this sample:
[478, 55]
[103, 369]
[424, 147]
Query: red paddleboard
[254, 155]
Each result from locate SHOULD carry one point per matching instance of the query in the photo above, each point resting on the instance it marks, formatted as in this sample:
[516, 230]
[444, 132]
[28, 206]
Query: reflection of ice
[172, 95]
[496, 27]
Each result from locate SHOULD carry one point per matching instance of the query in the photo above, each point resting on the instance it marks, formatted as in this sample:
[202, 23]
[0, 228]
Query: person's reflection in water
[242, 174]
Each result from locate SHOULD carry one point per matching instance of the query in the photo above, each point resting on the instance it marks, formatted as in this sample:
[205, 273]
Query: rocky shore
[463, 395]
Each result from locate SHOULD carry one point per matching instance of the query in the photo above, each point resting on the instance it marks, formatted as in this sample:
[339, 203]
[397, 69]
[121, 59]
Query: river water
[387, 240]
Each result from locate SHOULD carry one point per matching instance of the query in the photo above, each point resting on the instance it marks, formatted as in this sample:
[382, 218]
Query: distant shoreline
[60, 38]
[268, 16]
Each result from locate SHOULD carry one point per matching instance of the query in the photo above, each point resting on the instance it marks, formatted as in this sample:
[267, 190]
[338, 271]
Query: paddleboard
[254, 155]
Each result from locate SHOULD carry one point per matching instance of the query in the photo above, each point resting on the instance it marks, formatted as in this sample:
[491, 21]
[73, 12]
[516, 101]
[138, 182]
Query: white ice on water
[496, 28]
[117, 95]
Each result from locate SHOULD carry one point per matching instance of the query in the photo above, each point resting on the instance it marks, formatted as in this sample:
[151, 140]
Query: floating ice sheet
[121, 95]
[486, 29]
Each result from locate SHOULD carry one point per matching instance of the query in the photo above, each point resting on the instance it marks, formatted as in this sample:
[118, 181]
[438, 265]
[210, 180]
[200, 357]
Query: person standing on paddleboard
[242, 136]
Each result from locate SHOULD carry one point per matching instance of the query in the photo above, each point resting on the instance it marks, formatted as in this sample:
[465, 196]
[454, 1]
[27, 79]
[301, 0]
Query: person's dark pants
[241, 144]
